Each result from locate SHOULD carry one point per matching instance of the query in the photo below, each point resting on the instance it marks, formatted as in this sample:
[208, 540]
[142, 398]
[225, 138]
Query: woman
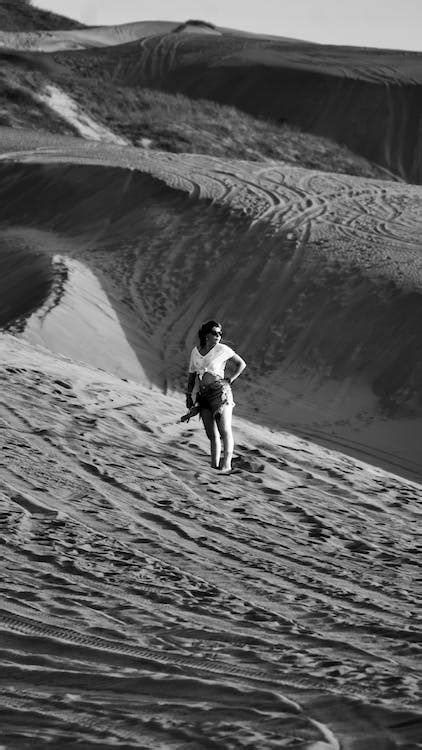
[214, 397]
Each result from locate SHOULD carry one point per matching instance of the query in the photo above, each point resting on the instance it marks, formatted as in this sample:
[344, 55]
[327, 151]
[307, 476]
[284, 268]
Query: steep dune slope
[37, 93]
[319, 276]
[27, 279]
[146, 601]
[366, 99]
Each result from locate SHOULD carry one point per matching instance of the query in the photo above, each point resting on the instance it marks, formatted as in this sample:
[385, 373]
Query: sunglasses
[216, 333]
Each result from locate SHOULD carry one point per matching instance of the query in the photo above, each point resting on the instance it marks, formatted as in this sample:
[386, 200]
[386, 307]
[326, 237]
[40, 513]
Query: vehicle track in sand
[272, 191]
[111, 488]
[236, 239]
[129, 563]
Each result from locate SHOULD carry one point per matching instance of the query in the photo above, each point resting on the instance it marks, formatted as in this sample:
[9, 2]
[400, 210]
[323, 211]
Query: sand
[84, 38]
[147, 600]
[365, 99]
[339, 365]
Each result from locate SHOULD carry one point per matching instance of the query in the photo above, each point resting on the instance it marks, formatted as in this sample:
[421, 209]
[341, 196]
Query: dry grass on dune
[176, 123]
[167, 121]
[367, 100]
[20, 106]
[20, 15]
[173, 122]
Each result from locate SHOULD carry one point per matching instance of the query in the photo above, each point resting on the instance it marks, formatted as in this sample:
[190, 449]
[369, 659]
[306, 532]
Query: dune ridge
[366, 99]
[84, 37]
[36, 95]
[330, 290]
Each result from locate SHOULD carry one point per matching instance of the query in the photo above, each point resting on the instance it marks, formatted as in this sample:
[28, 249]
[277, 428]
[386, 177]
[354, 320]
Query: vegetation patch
[20, 106]
[20, 15]
[173, 122]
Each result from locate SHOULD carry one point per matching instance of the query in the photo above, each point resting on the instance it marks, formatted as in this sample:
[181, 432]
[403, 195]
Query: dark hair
[205, 329]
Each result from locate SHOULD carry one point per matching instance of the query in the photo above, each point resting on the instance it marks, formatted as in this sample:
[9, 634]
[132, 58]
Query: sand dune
[366, 99]
[326, 270]
[83, 37]
[28, 277]
[150, 601]
[97, 36]
[147, 600]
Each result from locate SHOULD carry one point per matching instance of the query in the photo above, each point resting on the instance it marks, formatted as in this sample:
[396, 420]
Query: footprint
[359, 546]
[63, 384]
[254, 480]
[271, 491]
[248, 464]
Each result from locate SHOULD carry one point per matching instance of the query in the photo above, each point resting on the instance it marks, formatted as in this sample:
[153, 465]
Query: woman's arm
[240, 366]
[189, 389]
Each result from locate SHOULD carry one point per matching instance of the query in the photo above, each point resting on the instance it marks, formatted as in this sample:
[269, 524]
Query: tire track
[300, 567]
[24, 626]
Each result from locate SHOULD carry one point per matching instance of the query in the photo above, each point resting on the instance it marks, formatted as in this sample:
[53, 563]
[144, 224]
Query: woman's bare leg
[224, 424]
[213, 436]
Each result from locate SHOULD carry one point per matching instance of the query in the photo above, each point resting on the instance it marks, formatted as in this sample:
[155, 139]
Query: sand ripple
[145, 599]
[326, 270]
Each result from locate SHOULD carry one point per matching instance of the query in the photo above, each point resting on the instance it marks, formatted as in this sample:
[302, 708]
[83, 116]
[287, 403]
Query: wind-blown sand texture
[147, 600]
[155, 601]
[45, 40]
[329, 278]
[84, 38]
[366, 99]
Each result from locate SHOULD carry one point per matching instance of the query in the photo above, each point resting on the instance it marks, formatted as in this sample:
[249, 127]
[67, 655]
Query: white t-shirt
[213, 362]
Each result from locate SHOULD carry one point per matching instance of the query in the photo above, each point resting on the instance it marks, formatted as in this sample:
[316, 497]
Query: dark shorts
[215, 396]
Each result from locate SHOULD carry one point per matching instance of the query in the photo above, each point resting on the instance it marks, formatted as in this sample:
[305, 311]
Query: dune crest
[366, 99]
[330, 291]
[96, 36]
[194, 26]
